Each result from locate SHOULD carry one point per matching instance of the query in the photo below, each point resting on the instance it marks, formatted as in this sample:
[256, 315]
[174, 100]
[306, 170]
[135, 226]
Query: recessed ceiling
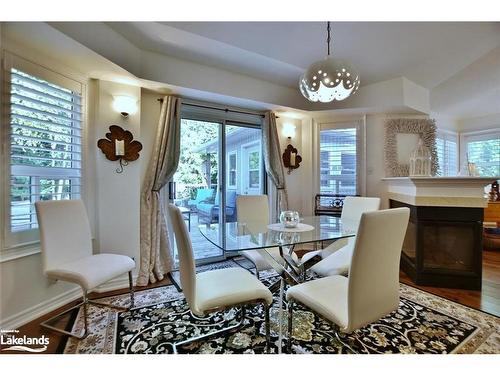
[427, 53]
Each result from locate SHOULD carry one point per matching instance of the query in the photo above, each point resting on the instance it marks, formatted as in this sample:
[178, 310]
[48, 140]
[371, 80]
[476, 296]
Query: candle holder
[291, 158]
[120, 146]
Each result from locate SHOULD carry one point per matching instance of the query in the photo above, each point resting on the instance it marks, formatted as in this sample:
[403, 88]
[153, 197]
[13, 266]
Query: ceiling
[425, 52]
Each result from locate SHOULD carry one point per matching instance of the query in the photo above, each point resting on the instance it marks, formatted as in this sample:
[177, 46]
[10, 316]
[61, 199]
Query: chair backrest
[231, 197]
[64, 232]
[203, 193]
[187, 267]
[374, 272]
[253, 209]
[354, 207]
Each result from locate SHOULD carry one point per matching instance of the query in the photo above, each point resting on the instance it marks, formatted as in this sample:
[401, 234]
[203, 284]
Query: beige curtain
[272, 160]
[156, 257]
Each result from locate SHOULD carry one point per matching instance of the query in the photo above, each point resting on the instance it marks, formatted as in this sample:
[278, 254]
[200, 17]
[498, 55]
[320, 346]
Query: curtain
[272, 160]
[156, 257]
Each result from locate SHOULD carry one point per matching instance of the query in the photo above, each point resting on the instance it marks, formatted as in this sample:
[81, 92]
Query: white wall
[294, 180]
[302, 185]
[479, 123]
[113, 205]
[117, 194]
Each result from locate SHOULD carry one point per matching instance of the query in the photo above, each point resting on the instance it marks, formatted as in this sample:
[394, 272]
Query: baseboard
[34, 312]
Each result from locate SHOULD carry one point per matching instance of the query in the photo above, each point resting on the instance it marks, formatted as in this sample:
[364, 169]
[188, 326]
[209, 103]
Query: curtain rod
[220, 109]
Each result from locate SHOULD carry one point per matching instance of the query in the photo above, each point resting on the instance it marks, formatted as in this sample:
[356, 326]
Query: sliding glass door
[219, 161]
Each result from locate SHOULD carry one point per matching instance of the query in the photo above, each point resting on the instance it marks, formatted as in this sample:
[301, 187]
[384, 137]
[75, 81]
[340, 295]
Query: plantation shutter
[447, 152]
[338, 160]
[45, 145]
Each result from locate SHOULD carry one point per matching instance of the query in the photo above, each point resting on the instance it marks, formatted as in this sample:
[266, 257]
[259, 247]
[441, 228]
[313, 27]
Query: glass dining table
[261, 237]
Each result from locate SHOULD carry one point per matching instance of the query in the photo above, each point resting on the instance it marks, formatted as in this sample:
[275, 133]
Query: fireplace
[443, 246]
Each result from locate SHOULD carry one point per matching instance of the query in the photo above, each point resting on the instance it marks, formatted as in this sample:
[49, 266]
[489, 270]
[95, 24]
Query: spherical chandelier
[329, 79]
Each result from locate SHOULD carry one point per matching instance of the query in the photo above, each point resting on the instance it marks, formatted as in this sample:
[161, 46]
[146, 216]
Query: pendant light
[329, 79]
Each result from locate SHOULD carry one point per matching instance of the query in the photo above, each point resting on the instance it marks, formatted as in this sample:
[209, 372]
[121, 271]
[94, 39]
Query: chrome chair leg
[84, 303]
[336, 331]
[290, 328]
[131, 289]
[268, 327]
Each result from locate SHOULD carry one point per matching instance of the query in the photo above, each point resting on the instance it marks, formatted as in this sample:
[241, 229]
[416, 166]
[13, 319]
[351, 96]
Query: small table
[186, 211]
[238, 236]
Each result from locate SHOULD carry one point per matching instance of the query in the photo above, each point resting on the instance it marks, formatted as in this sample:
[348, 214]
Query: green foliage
[193, 158]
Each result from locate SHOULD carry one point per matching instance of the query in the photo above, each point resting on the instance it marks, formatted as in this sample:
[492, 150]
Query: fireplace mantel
[439, 191]
[443, 242]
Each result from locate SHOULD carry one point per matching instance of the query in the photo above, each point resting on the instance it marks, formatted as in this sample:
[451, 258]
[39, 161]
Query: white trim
[40, 309]
[229, 154]
[244, 168]
[10, 248]
[360, 124]
[472, 136]
[20, 251]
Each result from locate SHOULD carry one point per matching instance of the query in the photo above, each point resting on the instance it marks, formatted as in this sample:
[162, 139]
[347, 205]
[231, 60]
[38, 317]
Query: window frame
[360, 125]
[235, 154]
[16, 244]
[474, 136]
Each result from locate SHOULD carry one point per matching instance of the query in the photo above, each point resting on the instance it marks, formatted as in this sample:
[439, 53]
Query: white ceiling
[425, 52]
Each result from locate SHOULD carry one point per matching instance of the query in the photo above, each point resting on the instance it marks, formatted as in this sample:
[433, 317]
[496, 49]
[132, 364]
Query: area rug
[424, 323]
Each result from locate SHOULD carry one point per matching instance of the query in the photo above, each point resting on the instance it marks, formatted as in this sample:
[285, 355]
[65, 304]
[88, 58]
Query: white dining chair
[253, 212]
[66, 243]
[372, 289]
[336, 258]
[215, 290]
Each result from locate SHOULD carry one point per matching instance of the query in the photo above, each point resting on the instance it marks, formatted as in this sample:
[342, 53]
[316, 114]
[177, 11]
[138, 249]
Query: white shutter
[447, 152]
[45, 145]
[338, 161]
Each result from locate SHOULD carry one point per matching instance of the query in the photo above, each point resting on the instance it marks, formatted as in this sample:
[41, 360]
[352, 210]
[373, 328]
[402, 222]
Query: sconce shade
[124, 104]
[289, 130]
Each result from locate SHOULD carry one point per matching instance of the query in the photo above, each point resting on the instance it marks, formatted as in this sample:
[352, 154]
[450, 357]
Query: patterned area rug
[424, 323]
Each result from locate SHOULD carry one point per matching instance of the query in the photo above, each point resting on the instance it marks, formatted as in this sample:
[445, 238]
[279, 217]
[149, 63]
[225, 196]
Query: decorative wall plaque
[120, 145]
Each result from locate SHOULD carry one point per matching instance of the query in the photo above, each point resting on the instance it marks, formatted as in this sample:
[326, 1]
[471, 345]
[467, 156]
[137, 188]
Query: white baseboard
[34, 312]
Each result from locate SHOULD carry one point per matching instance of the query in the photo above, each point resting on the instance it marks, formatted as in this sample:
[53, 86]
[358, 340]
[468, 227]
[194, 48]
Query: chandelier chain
[328, 39]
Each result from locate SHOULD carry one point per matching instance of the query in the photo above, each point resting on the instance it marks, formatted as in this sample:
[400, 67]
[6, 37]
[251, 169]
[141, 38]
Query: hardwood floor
[488, 300]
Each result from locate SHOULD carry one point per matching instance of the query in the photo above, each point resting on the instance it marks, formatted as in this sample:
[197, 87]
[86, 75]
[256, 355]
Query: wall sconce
[291, 157]
[124, 104]
[289, 130]
[120, 146]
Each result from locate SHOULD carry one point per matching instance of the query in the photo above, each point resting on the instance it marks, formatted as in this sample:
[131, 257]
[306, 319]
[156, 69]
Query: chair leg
[290, 328]
[336, 331]
[211, 334]
[84, 303]
[131, 289]
[268, 328]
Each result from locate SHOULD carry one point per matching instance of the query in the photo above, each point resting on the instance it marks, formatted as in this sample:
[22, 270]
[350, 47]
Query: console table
[443, 243]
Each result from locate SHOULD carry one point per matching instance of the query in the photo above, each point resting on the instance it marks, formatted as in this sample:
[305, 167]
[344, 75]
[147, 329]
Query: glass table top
[239, 236]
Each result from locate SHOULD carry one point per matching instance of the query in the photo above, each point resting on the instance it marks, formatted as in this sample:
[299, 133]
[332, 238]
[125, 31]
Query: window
[45, 145]
[483, 149]
[447, 152]
[254, 169]
[232, 170]
[339, 158]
